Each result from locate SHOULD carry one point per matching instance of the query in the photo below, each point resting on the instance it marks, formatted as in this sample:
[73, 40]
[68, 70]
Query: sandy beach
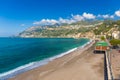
[81, 64]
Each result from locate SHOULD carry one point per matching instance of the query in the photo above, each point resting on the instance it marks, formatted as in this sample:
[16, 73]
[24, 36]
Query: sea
[18, 55]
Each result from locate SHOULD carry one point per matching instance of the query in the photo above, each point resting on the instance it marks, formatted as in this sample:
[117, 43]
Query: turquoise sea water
[22, 53]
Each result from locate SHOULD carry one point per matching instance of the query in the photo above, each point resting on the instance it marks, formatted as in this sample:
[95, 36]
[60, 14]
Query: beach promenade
[115, 63]
[81, 64]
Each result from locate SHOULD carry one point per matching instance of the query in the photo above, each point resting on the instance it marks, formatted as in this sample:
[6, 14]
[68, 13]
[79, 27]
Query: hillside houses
[116, 34]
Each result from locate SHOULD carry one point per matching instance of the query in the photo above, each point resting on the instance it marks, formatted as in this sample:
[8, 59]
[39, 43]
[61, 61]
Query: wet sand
[78, 65]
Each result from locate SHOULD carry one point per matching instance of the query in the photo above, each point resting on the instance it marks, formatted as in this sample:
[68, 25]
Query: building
[116, 34]
[101, 46]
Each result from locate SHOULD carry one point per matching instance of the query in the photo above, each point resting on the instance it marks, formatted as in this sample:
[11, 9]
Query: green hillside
[77, 29]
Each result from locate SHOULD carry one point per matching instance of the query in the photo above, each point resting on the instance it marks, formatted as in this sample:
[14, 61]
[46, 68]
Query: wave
[60, 55]
[21, 69]
[32, 65]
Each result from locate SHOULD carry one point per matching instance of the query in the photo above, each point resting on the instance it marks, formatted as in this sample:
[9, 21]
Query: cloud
[88, 15]
[73, 19]
[106, 16]
[61, 20]
[77, 17]
[22, 25]
[68, 21]
[46, 22]
[117, 13]
[112, 16]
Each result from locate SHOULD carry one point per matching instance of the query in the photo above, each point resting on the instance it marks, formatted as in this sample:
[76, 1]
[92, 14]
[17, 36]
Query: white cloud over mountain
[106, 16]
[68, 21]
[117, 13]
[112, 16]
[22, 25]
[76, 18]
[46, 22]
[88, 15]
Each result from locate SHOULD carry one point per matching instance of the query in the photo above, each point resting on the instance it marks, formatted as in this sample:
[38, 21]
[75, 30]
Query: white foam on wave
[32, 65]
[60, 55]
[21, 69]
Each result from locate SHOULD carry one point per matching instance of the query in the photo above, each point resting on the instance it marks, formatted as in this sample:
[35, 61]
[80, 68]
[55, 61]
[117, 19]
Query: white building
[116, 34]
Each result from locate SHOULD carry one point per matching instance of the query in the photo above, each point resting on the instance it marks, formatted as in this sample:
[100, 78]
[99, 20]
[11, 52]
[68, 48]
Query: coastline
[33, 65]
[53, 69]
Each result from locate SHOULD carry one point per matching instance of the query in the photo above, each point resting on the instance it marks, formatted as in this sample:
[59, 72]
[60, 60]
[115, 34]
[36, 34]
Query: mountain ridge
[74, 30]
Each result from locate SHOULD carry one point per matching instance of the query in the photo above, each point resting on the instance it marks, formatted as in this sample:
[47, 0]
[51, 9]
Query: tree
[115, 42]
[103, 38]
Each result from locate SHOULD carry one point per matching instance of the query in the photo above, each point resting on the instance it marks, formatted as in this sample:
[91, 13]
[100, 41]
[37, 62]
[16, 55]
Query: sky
[18, 15]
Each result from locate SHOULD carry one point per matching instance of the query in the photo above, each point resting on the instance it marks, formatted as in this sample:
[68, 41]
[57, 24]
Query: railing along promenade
[108, 68]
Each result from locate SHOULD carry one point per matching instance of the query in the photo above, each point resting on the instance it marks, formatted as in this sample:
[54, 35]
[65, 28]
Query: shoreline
[80, 62]
[33, 65]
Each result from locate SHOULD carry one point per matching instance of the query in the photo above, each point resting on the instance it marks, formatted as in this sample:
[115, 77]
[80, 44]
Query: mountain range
[74, 30]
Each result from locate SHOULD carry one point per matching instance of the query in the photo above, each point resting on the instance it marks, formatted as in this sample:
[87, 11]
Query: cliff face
[64, 31]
